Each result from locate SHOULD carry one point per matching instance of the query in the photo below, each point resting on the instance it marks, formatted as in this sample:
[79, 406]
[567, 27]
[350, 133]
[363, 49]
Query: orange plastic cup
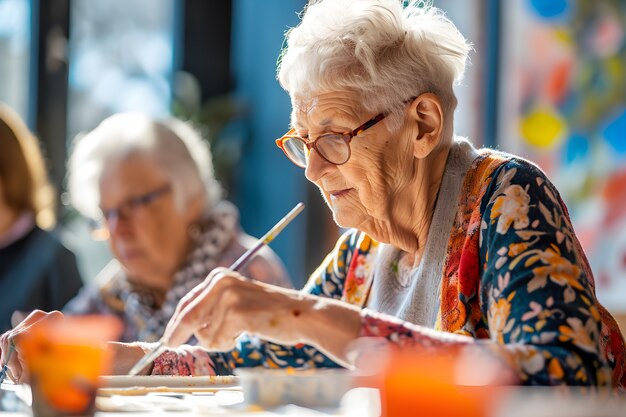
[442, 384]
[65, 358]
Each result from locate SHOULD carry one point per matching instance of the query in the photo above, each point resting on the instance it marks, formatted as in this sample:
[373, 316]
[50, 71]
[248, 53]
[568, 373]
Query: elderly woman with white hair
[151, 184]
[448, 246]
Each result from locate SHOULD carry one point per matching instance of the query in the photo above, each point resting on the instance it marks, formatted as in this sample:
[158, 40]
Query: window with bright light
[121, 59]
[15, 44]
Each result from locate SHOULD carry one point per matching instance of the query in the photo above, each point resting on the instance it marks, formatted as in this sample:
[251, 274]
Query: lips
[339, 193]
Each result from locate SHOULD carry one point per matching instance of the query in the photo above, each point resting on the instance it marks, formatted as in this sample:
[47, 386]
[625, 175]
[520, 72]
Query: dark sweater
[36, 272]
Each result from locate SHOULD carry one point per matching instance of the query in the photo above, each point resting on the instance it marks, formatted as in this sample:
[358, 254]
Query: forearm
[556, 363]
[552, 364]
[329, 325]
[301, 333]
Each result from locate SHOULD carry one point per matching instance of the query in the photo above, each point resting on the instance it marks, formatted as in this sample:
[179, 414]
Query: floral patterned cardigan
[515, 280]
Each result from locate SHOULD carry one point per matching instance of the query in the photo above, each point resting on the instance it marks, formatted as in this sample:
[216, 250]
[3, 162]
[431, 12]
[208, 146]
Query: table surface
[361, 402]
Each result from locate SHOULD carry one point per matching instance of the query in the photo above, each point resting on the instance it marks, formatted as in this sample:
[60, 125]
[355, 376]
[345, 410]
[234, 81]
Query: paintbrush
[239, 263]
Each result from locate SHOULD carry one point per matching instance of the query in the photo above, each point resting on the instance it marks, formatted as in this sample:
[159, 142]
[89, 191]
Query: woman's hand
[17, 370]
[227, 304]
[221, 308]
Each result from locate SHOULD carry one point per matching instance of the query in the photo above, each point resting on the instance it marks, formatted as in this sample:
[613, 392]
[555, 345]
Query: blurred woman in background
[36, 270]
[151, 186]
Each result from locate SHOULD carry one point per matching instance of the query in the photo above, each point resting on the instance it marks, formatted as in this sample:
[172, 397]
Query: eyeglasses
[333, 147]
[126, 210]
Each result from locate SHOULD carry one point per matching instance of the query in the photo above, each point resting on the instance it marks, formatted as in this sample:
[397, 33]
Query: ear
[427, 114]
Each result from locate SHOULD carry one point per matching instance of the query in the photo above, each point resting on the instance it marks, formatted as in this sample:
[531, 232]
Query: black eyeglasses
[126, 210]
[333, 147]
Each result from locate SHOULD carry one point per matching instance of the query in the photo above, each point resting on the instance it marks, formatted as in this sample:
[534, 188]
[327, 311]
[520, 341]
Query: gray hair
[378, 49]
[177, 147]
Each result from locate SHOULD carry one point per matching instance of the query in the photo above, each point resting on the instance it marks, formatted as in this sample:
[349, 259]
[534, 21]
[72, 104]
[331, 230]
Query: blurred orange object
[443, 384]
[65, 358]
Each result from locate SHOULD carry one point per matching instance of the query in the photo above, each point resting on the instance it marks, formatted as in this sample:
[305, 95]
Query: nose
[317, 166]
[112, 223]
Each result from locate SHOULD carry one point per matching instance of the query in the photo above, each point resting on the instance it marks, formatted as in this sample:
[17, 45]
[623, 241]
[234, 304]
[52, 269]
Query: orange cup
[64, 359]
[442, 384]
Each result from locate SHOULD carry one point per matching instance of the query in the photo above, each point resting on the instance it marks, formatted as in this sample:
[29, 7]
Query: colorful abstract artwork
[562, 104]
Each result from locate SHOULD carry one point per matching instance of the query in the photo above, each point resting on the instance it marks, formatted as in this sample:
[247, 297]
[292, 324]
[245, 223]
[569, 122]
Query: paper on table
[142, 385]
[126, 381]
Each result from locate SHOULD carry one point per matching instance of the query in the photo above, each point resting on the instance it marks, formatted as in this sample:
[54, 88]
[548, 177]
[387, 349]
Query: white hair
[179, 150]
[383, 51]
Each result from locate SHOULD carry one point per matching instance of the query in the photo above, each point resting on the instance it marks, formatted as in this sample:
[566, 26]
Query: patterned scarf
[146, 322]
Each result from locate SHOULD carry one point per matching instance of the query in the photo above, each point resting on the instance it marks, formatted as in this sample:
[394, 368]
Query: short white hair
[179, 150]
[383, 51]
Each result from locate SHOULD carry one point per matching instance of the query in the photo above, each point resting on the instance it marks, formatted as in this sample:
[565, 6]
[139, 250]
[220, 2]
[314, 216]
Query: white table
[360, 402]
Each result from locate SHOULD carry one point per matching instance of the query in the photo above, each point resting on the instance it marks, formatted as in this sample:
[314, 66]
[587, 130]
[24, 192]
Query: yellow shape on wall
[543, 128]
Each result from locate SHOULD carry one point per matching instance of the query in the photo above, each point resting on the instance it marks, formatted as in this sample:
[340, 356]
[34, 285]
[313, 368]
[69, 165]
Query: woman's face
[363, 189]
[148, 233]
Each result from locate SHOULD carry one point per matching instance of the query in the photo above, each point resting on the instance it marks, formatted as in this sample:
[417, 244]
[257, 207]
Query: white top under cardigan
[414, 296]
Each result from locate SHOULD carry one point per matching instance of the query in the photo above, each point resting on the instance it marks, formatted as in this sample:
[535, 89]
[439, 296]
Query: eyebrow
[324, 123]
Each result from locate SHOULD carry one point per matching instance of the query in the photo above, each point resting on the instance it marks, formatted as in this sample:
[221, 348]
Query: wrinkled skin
[387, 189]
[152, 242]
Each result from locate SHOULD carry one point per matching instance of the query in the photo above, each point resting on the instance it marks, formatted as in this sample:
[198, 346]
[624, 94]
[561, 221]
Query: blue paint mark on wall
[550, 9]
[615, 133]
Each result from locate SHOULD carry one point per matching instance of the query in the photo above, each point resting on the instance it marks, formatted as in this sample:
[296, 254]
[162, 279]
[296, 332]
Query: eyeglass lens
[333, 147]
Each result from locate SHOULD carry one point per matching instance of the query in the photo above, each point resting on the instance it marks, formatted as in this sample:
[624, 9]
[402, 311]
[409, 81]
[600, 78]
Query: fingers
[33, 318]
[198, 311]
[5, 343]
[215, 296]
[190, 296]
[183, 324]
[209, 340]
[219, 334]
[16, 368]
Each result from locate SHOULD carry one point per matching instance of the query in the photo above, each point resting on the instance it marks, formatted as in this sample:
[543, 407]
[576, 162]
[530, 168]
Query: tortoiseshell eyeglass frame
[291, 134]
